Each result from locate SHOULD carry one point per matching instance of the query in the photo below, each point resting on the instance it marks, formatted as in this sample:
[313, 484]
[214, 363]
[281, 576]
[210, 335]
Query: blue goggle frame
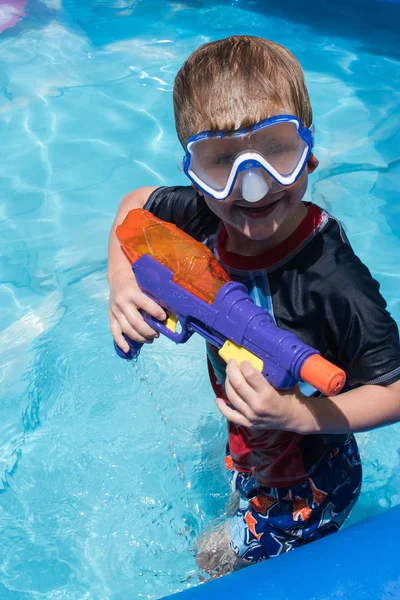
[245, 161]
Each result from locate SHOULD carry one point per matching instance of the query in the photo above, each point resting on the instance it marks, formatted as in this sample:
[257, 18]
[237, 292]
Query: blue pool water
[109, 470]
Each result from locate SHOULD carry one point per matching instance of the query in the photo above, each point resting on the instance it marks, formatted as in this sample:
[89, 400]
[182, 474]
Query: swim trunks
[271, 521]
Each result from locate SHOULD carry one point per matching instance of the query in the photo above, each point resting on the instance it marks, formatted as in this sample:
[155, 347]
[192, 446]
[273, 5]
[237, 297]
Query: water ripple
[110, 470]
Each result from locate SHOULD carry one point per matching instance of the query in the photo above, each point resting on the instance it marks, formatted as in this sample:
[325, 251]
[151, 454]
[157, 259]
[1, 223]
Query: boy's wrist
[123, 272]
[302, 417]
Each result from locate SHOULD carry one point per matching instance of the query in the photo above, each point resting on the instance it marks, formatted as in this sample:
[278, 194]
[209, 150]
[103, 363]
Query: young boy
[243, 116]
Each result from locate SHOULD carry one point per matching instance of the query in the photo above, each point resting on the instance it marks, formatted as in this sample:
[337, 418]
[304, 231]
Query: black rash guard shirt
[315, 286]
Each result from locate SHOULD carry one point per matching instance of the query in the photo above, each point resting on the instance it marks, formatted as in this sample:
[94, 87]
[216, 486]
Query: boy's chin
[258, 233]
[259, 228]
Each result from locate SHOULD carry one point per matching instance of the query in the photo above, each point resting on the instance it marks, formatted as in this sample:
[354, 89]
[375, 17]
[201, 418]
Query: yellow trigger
[171, 322]
[232, 350]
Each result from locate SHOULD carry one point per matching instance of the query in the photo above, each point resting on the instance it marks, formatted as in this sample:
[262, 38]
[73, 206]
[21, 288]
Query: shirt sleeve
[364, 336]
[183, 207]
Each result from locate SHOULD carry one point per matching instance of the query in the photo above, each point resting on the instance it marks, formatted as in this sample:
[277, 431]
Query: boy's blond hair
[236, 82]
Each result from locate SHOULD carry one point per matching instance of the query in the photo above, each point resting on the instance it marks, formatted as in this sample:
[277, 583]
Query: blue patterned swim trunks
[271, 521]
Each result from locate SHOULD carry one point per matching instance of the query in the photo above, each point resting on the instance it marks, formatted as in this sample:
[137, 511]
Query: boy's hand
[256, 404]
[126, 299]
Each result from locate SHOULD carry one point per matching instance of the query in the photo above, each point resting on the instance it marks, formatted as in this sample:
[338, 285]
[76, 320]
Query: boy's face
[259, 221]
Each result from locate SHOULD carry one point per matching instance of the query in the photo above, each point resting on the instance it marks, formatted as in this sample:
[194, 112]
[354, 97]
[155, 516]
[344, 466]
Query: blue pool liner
[358, 563]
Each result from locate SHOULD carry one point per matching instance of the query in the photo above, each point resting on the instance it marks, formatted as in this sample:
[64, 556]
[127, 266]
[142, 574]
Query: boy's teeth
[257, 207]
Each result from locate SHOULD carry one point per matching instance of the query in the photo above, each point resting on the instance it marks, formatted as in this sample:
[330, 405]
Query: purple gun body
[232, 316]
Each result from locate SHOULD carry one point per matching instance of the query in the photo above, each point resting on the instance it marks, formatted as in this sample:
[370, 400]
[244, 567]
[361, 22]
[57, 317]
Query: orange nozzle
[323, 375]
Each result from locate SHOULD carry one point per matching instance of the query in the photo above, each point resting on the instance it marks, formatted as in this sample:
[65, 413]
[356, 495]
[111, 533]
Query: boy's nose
[255, 185]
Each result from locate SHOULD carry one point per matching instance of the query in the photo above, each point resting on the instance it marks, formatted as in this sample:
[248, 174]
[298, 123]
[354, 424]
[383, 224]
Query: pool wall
[360, 562]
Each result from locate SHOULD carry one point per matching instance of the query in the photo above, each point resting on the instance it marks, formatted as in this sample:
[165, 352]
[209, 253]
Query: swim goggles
[268, 155]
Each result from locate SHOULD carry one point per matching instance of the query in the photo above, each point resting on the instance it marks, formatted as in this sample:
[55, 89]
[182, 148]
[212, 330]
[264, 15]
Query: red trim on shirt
[270, 257]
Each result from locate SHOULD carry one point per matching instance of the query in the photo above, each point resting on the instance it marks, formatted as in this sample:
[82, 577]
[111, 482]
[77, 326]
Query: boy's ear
[312, 163]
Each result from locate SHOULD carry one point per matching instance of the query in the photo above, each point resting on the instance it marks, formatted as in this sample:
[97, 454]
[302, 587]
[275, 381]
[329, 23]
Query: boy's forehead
[227, 129]
[282, 133]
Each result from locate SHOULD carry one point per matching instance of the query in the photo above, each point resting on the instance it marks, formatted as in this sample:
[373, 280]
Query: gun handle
[323, 375]
[134, 349]
[167, 328]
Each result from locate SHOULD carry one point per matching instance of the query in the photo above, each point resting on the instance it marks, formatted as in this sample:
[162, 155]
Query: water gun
[185, 278]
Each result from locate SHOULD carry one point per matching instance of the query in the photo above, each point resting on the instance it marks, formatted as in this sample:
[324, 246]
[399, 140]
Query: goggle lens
[278, 147]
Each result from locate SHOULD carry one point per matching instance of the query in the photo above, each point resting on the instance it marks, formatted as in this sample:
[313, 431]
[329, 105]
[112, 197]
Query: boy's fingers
[237, 379]
[136, 323]
[117, 334]
[254, 378]
[133, 296]
[138, 332]
[237, 402]
[146, 304]
[119, 324]
[234, 416]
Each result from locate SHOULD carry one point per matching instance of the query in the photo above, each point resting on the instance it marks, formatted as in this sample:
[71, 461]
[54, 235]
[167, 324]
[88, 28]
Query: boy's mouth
[257, 210]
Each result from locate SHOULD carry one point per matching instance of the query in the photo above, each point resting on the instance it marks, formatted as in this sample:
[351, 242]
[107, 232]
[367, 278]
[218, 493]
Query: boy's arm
[255, 404]
[362, 338]
[117, 263]
[362, 409]
[126, 299]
